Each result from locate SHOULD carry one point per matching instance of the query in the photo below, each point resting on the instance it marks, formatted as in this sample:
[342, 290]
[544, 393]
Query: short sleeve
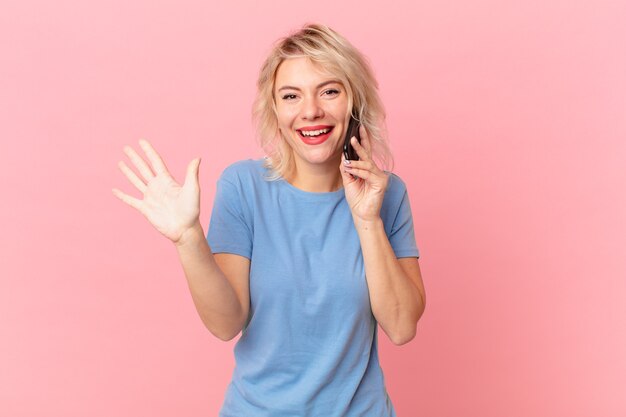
[229, 230]
[401, 236]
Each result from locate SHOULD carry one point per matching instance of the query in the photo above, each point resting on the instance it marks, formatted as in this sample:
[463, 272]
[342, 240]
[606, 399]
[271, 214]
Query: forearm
[213, 295]
[396, 301]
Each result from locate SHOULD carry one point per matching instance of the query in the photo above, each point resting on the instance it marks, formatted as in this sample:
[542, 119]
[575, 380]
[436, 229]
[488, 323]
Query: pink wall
[508, 123]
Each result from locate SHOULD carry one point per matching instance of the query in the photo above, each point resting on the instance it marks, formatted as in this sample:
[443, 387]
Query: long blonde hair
[336, 55]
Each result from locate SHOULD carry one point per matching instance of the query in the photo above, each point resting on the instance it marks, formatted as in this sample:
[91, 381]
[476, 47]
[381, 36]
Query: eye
[331, 92]
[289, 96]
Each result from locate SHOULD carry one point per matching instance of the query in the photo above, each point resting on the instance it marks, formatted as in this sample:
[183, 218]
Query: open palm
[169, 207]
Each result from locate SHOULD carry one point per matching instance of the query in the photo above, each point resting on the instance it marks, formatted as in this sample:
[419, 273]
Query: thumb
[193, 170]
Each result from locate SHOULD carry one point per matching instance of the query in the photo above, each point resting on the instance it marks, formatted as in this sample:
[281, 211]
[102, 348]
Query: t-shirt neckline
[329, 195]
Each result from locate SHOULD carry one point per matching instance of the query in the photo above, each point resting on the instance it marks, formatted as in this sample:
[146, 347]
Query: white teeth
[314, 132]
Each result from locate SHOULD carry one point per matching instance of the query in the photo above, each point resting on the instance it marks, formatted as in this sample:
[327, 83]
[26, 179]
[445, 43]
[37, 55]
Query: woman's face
[312, 107]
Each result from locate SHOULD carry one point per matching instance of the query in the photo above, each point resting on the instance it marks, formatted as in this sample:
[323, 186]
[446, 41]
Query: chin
[321, 156]
[318, 154]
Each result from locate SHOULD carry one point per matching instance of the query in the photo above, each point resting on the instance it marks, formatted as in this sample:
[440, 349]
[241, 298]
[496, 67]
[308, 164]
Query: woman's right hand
[170, 208]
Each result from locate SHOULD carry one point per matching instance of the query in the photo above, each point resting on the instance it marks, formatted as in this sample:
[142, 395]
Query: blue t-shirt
[310, 345]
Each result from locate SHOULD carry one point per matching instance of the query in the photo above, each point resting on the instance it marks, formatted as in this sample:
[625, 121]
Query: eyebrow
[289, 87]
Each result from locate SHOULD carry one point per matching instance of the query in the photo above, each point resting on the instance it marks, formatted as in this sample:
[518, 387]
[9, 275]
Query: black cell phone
[353, 130]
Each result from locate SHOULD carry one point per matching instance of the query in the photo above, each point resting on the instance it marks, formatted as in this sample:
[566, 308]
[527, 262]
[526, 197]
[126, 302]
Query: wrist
[368, 224]
[190, 235]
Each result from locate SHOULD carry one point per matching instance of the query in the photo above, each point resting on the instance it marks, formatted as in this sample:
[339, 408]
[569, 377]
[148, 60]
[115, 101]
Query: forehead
[302, 71]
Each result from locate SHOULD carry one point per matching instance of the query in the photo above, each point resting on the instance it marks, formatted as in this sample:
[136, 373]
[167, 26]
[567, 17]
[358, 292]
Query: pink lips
[316, 140]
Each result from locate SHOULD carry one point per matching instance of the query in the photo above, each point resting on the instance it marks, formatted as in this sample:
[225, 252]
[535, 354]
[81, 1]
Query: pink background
[508, 124]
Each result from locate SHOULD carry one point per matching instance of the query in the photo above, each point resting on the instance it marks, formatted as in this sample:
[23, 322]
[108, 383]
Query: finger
[141, 165]
[131, 201]
[361, 173]
[193, 170]
[360, 164]
[360, 150]
[364, 166]
[153, 156]
[366, 141]
[345, 174]
[132, 177]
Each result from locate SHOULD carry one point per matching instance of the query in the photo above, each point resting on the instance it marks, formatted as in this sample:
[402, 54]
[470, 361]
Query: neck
[315, 178]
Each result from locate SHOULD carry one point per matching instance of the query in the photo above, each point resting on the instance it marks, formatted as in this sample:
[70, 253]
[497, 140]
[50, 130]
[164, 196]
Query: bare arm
[395, 285]
[218, 283]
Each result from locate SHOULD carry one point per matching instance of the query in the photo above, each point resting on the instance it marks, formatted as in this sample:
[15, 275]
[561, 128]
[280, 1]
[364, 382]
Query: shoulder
[396, 197]
[244, 171]
[396, 187]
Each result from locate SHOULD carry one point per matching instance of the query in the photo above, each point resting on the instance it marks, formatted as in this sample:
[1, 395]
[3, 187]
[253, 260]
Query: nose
[311, 109]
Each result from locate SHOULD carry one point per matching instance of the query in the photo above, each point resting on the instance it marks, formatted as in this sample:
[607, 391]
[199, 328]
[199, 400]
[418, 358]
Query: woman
[306, 251]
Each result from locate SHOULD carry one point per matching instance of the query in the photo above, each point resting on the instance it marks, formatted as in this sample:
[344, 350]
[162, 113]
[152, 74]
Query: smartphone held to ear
[353, 130]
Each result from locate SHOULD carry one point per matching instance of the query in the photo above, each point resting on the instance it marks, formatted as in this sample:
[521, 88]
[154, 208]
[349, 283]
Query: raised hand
[170, 208]
[364, 183]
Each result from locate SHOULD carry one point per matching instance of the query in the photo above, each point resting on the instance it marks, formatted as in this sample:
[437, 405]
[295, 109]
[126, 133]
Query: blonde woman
[306, 252]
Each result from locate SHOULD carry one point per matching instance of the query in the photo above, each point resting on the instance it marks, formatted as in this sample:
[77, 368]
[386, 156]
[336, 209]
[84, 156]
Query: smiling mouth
[315, 136]
[314, 133]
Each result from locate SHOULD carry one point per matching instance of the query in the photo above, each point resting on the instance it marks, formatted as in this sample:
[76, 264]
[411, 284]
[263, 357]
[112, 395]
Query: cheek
[340, 110]
[285, 118]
